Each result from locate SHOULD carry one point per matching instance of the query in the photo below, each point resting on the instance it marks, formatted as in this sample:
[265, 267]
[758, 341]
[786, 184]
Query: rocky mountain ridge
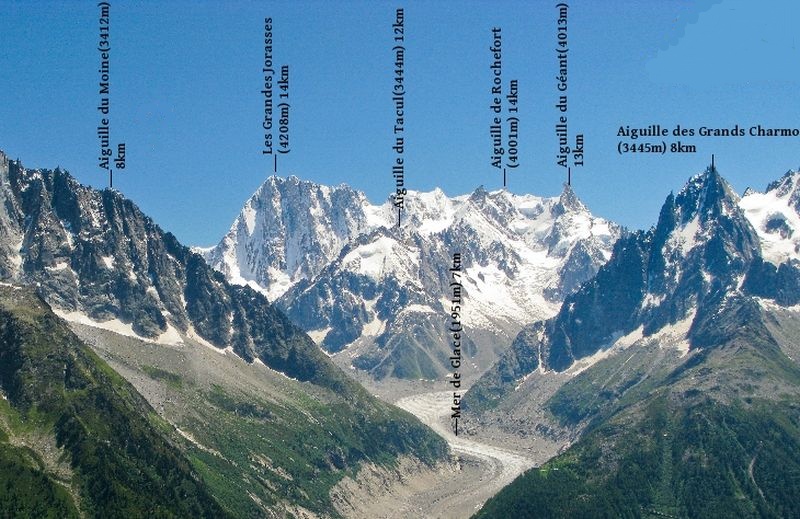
[262, 413]
[675, 371]
[704, 252]
[346, 274]
[95, 257]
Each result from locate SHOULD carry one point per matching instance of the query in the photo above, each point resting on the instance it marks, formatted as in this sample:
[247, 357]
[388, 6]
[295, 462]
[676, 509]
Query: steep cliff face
[265, 416]
[95, 256]
[289, 230]
[344, 272]
[703, 251]
[675, 370]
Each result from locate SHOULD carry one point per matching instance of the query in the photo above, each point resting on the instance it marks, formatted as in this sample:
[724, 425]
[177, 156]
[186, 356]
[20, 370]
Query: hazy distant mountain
[346, 274]
[678, 361]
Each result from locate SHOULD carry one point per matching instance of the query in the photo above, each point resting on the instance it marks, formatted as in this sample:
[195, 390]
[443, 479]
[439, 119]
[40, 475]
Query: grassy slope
[262, 442]
[276, 455]
[75, 435]
[718, 435]
[674, 462]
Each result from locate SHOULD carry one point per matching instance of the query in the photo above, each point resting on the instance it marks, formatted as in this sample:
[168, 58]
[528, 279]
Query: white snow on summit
[288, 231]
[774, 215]
[521, 255]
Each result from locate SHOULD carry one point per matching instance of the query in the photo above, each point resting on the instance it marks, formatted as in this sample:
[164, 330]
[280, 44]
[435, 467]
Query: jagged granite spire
[698, 252]
[94, 253]
[568, 201]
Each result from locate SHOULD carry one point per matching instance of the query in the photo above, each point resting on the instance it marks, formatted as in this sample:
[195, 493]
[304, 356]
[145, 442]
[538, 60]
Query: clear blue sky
[186, 80]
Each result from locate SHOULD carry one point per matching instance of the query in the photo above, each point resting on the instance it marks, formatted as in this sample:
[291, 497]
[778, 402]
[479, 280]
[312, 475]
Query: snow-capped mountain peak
[289, 230]
[568, 201]
[775, 214]
[786, 187]
[343, 270]
[701, 261]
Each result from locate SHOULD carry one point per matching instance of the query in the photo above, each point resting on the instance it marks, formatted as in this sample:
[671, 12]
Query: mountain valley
[263, 421]
[683, 380]
[626, 373]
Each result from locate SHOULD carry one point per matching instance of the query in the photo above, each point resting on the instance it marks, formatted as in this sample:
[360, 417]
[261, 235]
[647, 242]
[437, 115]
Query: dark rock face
[702, 251]
[781, 283]
[522, 357]
[698, 250]
[605, 303]
[94, 252]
